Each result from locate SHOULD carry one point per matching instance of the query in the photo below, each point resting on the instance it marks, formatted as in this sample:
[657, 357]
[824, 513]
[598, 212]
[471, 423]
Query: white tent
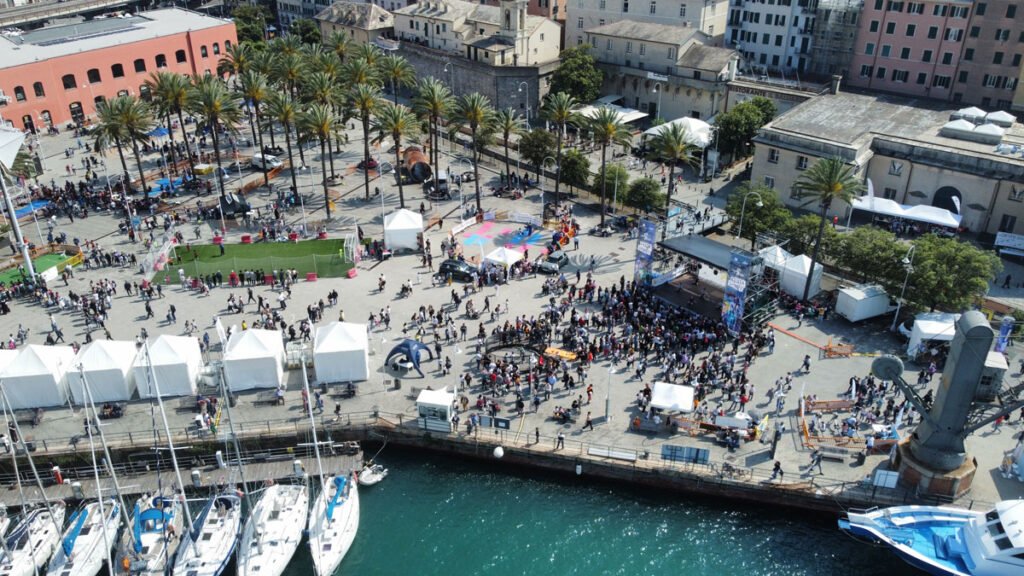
[624, 114]
[939, 326]
[254, 359]
[793, 277]
[177, 362]
[775, 257]
[341, 352]
[673, 397]
[920, 212]
[36, 377]
[504, 257]
[698, 132]
[402, 229]
[107, 365]
[6, 357]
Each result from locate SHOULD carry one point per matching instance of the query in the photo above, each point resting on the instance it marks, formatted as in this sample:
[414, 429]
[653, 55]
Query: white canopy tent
[504, 257]
[625, 115]
[6, 357]
[254, 359]
[920, 212]
[793, 277]
[177, 362]
[402, 229]
[36, 378]
[939, 326]
[672, 397]
[341, 352]
[775, 257]
[698, 131]
[107, 365]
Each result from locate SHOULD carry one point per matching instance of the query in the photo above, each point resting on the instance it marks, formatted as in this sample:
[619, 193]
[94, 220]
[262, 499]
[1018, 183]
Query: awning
[609, 99]
[698, 131]
[919, 213]
[626, 115]
[704, 249]
[672, 397]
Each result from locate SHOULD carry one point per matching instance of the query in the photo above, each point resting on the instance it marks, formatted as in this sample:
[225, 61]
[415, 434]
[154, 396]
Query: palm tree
[396, 71]
[365, 100]
[340, 44]
[109, 130]
[161, 83]
[559, 109]
[608, 130]
[253, 90]
[509, 124]
[237, 59]
[475, 111]
[397, 122]
[359, 71]
[320, 122]
[320, 87]
[828, 180]
[282, 108]
[137, 120]
[673, 145]
[171, 93]
[433, 101]
[211, 101]
[368, 52]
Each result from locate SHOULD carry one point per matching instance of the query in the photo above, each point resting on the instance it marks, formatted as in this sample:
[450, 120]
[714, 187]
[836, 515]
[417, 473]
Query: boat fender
[126, 564]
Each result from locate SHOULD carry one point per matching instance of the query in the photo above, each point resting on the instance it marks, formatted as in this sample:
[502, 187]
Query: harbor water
[435, 515]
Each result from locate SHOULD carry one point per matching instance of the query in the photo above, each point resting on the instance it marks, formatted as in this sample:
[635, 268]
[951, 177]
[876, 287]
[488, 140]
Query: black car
[273, 150]
[459, 270]
[233, 206]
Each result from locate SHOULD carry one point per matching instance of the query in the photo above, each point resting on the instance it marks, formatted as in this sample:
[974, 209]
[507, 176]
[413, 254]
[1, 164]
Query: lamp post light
[451, 75]
[908, 264]
[527, 95]
[743, 209]
[657, 90]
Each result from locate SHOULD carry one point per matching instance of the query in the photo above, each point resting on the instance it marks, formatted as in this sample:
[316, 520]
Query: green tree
[282, 108]
[433, 101]
[608, 130]
[535, 146]
[767, 108]
[645, 194]
[252, 87]
[320, 122]
[770, 216]
[577, 74]
[508, 124]
[171, 93]
[828, 180]
[250, 22]
[211, 101]
[474, 111]
[616, 182]
[109, 130]
[873, 254]
[306, 29]
[340, 44]
[365, 100]
[137, 120]
[236, 59]
[575, 170]
[396, 122]
[802, 233]
[673, 146]
[737, 127]
[949, 274]
[560, 109]
[397, 72]
[161, 83]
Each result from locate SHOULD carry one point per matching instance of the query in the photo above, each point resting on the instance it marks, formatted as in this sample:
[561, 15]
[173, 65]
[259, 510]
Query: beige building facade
[362, 22]
[707, 16]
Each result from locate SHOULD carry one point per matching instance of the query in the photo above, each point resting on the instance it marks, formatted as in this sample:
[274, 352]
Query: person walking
[560, 443]
[806, 366]
[589, 424]
[777, 471]
[815, 461]
[536, 435]
[149, 310]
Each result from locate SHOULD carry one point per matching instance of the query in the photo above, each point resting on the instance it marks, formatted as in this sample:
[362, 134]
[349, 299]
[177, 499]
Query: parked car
[459, 269]
[554, 262]
[233, 206]
[265, 162]
[273, 150]
[367, 164]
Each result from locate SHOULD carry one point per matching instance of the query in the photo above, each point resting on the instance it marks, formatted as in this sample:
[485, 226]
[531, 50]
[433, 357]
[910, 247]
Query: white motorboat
[148, 545]
[333, 523]
[372, 474]
[206, 549]
[273, 531]
[948, 541]
[32, 541]
[90, 535]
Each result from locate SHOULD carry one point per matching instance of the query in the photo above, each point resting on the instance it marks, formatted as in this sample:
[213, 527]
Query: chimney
[833, 86]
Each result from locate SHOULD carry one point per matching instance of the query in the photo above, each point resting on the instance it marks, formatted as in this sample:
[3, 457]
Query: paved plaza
[608, 258]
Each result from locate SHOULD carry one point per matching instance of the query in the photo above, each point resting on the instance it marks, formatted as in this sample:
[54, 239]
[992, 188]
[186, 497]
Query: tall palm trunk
[252, 127]
[330, 154]
[216, 156]
[259, 134]
[298, 143]
[668, 197]
[138, 162]
[170, 143]
[558, 167]
[476, 171]
[124, 165]
[817, 245]
[432, 138]
[366, 154]
[184, 138]
[604, 180]
[508, 169]
[394, 93]
[398, 171]
[291, 158]
[323, 169]
[272, 143]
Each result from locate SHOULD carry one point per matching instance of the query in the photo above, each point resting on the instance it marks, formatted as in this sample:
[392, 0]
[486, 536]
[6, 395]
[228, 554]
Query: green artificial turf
[44, 262]
[320, 256]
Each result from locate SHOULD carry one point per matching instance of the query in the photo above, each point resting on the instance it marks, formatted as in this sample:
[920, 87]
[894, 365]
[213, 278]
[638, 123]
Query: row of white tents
[42, 376]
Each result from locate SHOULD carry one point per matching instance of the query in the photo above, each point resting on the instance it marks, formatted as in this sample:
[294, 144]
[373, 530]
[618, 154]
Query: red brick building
[56, 75]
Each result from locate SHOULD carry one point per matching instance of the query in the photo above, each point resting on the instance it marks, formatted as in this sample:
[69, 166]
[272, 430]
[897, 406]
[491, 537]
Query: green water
[439, 516]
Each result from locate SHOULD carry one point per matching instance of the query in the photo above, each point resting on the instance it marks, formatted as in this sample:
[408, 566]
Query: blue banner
[735, 292]
[1005, 329]
[643, 272]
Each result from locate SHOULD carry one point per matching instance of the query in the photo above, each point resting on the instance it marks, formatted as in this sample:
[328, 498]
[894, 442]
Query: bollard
[197, 479]
[297, 469]
[76, 491]
[220, 460]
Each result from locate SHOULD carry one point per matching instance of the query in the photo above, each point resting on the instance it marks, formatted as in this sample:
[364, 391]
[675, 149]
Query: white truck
[856, 303]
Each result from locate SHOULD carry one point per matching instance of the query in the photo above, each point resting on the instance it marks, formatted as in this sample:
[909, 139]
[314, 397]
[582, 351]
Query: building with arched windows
[56, 75]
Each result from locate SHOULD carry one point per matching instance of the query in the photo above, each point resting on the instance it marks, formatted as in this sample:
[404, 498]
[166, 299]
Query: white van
[266, 161]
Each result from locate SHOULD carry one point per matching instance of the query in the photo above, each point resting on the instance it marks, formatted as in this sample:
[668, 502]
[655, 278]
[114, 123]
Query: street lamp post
[908, 263]
[451, 75]
[540, 182]
[743, 209]
[527, 95]
[657, 90]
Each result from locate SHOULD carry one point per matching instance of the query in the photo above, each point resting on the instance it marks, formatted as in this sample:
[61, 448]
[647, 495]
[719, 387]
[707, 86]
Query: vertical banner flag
[735, 292]
[1005, 329]
[645, 252]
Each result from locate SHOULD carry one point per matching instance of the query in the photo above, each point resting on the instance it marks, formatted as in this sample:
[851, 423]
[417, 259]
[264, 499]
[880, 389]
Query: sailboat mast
[155, 387]
[234, 437]
[31, 463]
[312, 421]
[99, 491]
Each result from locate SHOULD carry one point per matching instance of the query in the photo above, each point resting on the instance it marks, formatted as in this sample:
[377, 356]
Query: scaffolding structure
[835, 33]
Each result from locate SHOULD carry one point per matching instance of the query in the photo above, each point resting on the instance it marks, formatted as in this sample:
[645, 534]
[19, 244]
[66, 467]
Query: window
[905, 53]
[579, 22]
[878, 4]
[216, 48]
[769, 182]
[900, 75]
[880, 73]
[997, 58]
[204, 53]
[140, 65]
[1002, 35]
[19, 94]
[625, 6]
[926, 56]
[161, 61]
[654, 7]
[121, 93]
[865, 71]
[979, 8]
[933, 32]
[947, 58]
[962, 77]
[643, 49]
[968, 55]
[629, 47]
[895, 168]
[180, 57]
[911, 29]
[886, 50]
[601, 5]
[874, 26]
[69, 82]
[801, 162]
[38, 89]
[682, 10]
[922, 78]
[890, 27]
[1011, 11]
[671, 52]
[975, 31]
[773, 155]
[93, 76]
[117, 71]
[889, 193]
[954, 34]
[1016, 195]
[1016, 60]
[227, 43]
[940, 81]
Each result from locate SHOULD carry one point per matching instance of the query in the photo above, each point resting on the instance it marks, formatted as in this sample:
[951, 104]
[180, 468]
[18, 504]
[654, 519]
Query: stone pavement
[613, 258]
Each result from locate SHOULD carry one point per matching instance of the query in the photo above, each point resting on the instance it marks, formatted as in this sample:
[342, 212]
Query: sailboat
[273, 531]
[206, 549]
[91, 533]
[334, 518]
[32, 541]
[150, 541]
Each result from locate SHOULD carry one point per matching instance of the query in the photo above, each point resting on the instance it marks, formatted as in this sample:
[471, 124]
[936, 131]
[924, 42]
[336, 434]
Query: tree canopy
[949, 274]
[771, 215]
[577, 74]
[618, 180]
[645, 194]
[536, 145]
[575, 169]
[306, 29]
[250, 22]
